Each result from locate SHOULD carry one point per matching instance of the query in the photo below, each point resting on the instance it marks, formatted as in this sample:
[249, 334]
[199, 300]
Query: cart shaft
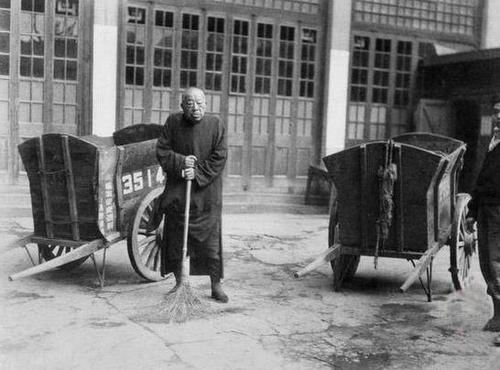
[331, 253]
[80, 252]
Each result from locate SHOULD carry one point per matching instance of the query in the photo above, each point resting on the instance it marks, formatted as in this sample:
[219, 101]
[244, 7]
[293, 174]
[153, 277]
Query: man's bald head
[193, 104]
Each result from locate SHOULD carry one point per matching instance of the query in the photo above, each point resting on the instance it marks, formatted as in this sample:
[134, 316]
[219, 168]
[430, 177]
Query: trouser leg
[489, 258]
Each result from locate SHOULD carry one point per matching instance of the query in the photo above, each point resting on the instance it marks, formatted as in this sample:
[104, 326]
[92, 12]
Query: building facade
[293, 79]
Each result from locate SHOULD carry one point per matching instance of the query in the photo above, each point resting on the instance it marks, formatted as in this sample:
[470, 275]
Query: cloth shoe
[217, 292]
[493, 324]
[496, 341]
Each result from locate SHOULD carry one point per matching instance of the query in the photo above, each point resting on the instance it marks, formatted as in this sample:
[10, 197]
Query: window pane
[4, 20]
[70, 93]
[4, 65]
[72, 46]
[27, 5]
[70, 115]
[38, 67]
[58, 113]
[25, 67]
[59, 69]
[59, 48]
[39, 6]
[25, 45]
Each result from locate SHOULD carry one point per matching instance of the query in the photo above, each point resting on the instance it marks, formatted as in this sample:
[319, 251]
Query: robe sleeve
[209, 169]
[171, 162]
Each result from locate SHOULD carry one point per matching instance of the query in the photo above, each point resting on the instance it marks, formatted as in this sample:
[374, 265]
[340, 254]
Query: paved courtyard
[63, 320]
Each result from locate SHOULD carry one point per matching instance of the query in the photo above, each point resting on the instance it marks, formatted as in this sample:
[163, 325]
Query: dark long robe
[206, 140]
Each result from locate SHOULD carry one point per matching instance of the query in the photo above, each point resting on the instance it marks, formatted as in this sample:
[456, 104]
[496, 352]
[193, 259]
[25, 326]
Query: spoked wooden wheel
[49, 252]
[344, 266]
[143, 244]
[462, 245]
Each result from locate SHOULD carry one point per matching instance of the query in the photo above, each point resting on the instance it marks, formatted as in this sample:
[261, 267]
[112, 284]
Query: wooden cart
[426, 212]
[88, 193]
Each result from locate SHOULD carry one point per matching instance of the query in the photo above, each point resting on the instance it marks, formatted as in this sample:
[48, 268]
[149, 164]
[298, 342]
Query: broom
[181, 302]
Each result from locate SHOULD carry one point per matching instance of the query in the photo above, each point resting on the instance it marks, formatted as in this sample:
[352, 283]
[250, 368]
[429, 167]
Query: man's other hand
[189, 174]
[469, 224]
[189, 161]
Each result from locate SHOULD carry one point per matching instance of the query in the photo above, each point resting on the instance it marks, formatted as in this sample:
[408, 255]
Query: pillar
[104, 82]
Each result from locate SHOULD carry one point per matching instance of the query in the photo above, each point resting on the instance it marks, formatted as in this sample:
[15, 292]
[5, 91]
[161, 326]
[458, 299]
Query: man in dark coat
[485, 208]
[193, 146]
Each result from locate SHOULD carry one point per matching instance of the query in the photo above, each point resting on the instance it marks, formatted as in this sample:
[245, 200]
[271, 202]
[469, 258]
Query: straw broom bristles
[182, 303]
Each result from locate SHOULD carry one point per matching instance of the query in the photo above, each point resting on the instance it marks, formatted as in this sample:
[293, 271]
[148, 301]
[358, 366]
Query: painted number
[136, 181]
[127, 184]
[159, 176]
[132, 182]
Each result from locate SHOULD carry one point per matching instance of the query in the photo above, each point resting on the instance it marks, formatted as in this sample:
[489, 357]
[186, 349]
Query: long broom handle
[186, 219]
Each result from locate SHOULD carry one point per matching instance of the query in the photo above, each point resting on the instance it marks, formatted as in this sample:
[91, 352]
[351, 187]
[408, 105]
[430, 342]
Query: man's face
[194, 105]
[495, 120]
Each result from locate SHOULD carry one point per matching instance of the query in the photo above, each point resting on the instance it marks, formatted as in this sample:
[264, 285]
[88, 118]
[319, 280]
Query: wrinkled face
[495, 120]
[193, 104]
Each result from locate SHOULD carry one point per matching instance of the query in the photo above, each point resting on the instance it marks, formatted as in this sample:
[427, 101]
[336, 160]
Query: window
[31, 66]
[299, 6]
[135, 65]
[381, 76]
[163, 44]
[239, 61]
[307, 62]
[163, 64]
[189, 50]
[263, 62]
[32, 38]
[214, 53]
[136, 36]
[286, 60]
[4, 81]
[359, 69]
[65, 61]
[448, 16]
[381, 70]
[4, 38]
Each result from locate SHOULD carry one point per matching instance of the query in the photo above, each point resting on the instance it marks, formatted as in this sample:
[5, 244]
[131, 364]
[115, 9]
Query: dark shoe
[496, 341]
[218, 294]
[493, 324]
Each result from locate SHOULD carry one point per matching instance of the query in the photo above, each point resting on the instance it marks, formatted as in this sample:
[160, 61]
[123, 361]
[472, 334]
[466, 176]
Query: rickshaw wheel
[49, 252]
[143, 244]
[462, 245]
[344, 266]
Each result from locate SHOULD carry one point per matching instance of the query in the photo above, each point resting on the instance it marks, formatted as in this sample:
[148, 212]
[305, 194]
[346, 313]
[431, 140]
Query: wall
[104, 67]
[491, 25]
[336, 88]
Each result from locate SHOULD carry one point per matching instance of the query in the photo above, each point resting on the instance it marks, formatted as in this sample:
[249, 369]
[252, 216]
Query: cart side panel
[107, 192]
[138, 172]
[57, 196]
[343, 167]
[355, 174]
[420, 172]
[428, 141]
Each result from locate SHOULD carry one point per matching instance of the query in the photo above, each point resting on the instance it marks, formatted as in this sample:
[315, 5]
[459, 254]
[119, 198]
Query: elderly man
[193, 146]
[485, 208]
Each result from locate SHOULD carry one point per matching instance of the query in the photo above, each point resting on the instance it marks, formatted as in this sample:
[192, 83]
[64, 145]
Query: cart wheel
[344, 266]
[49, 252]
[462, 244]
[143, 245]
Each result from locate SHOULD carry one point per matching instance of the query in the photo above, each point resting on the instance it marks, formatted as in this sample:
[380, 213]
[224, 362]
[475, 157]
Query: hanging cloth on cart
[387, 176]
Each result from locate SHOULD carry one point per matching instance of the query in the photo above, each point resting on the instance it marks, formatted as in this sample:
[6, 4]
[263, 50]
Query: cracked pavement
[63, 320]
